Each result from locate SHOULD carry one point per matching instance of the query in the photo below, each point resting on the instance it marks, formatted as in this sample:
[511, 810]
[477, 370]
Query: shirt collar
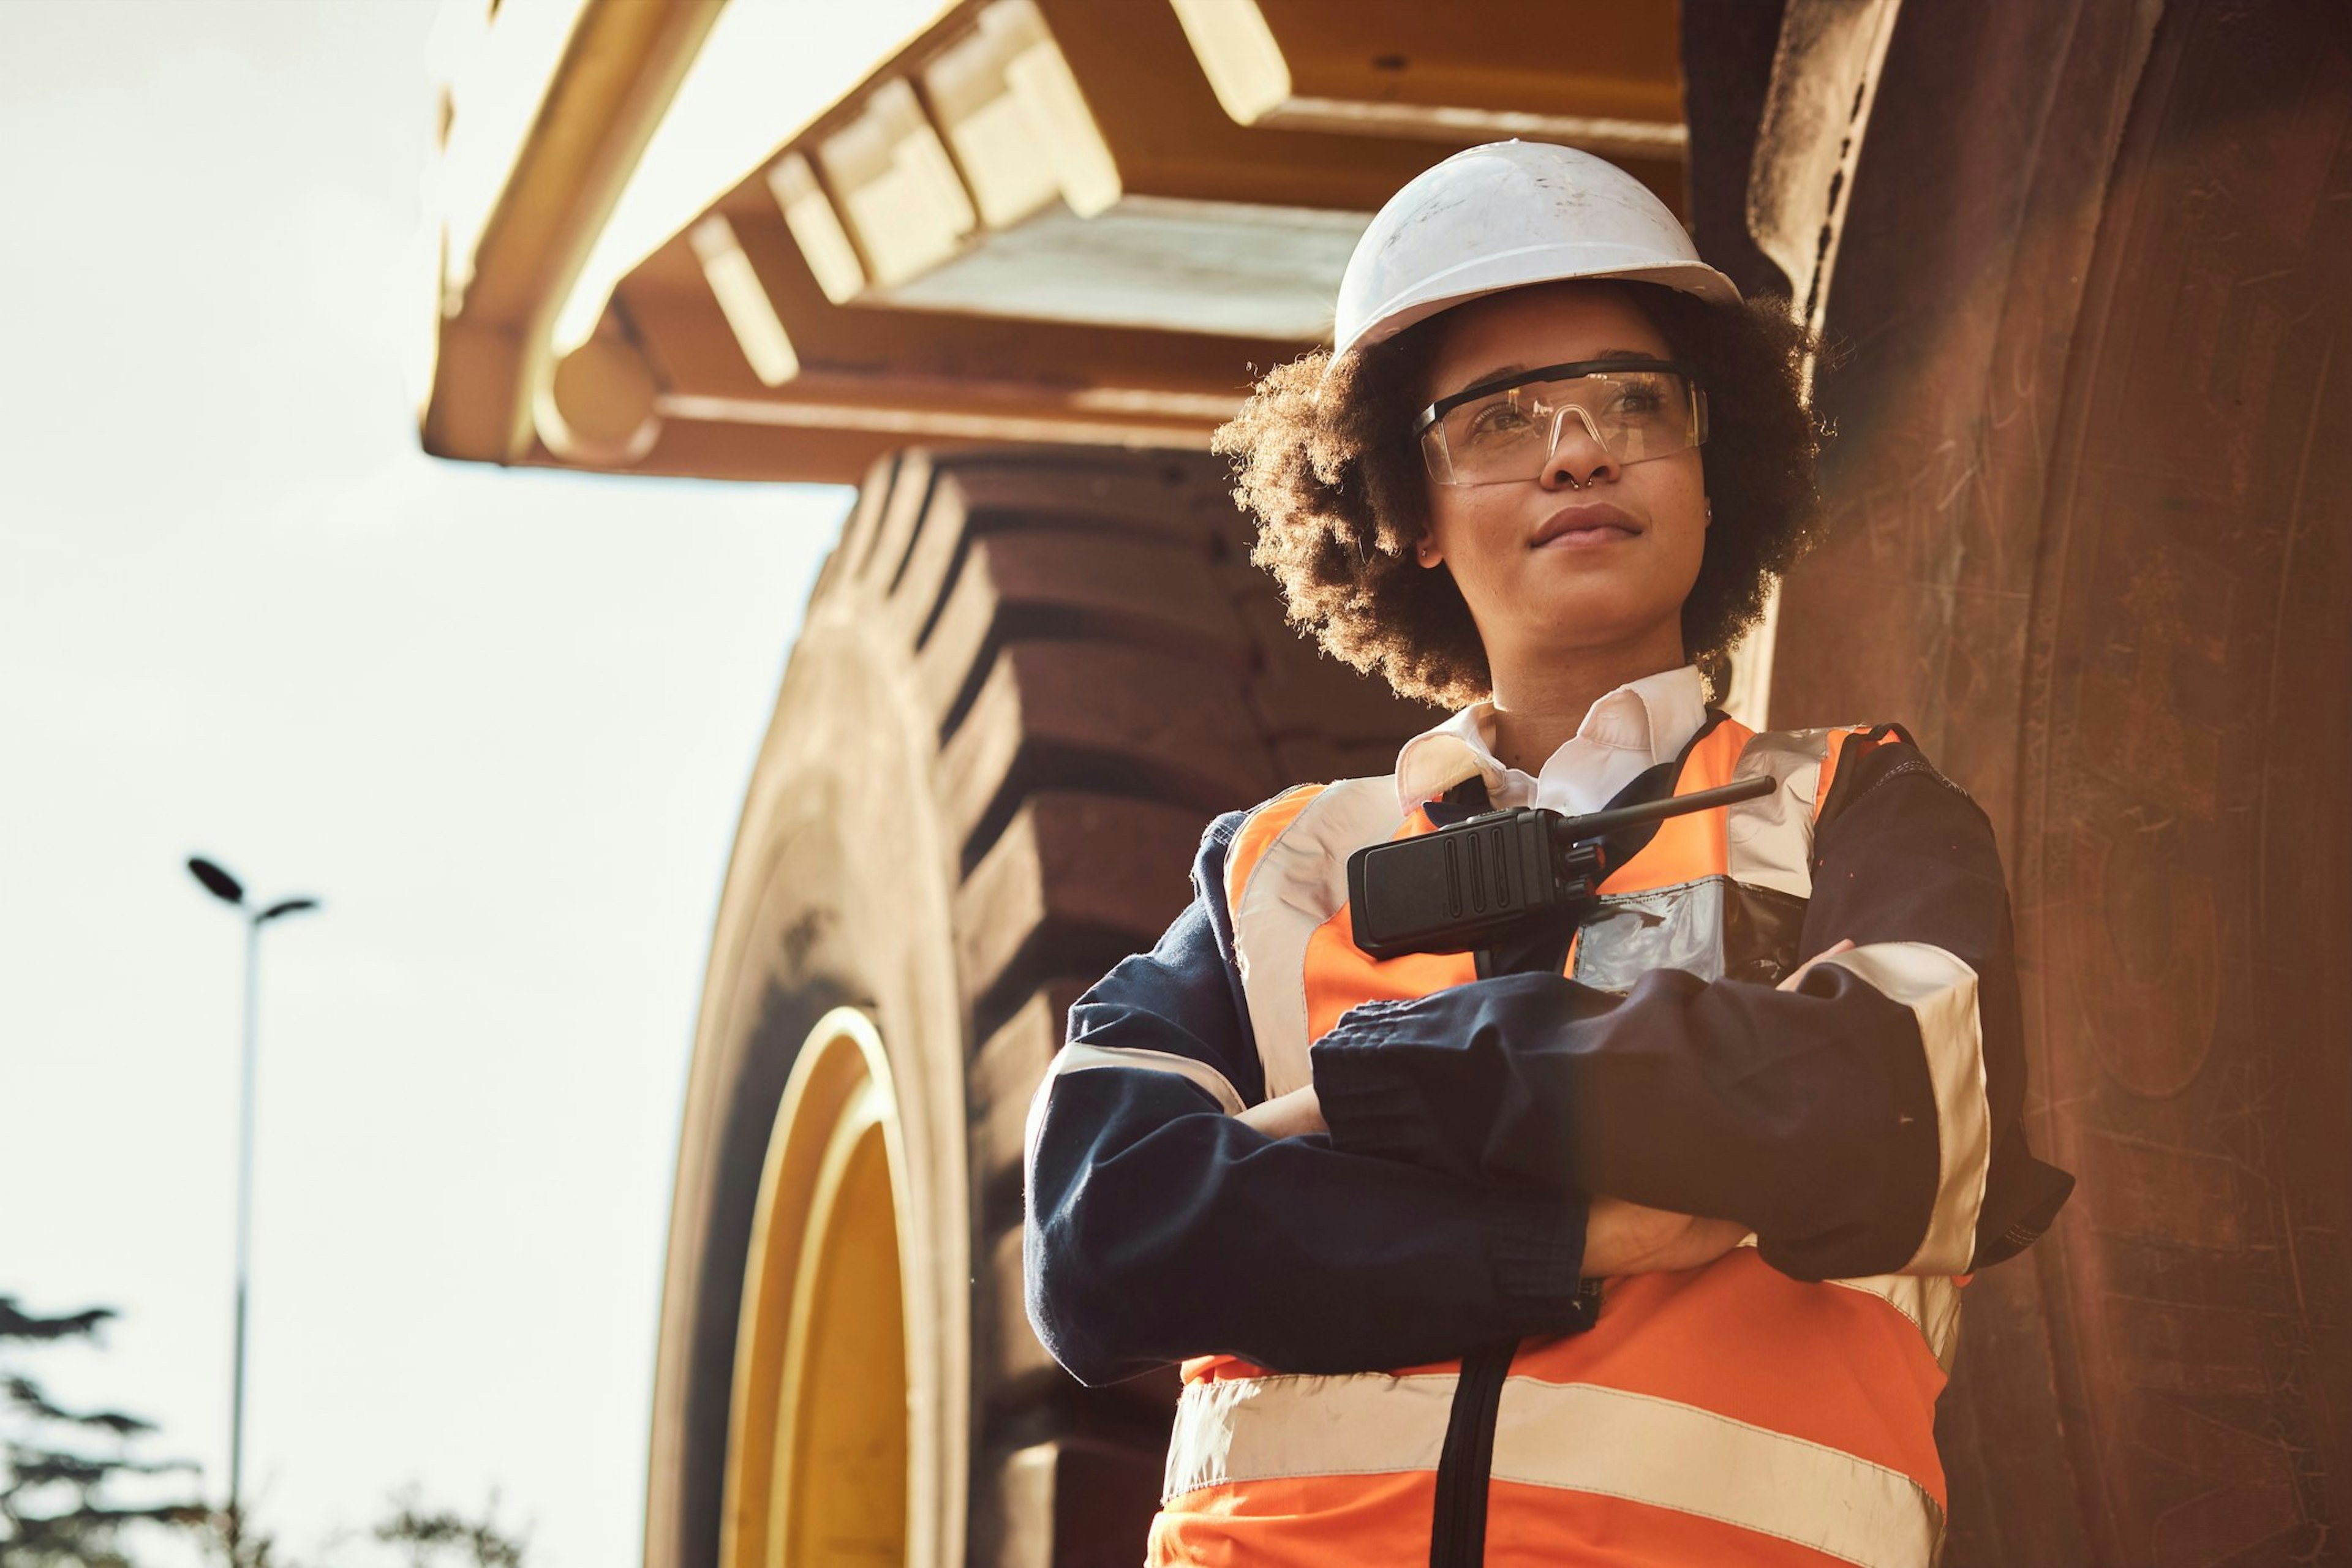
[1652, 718]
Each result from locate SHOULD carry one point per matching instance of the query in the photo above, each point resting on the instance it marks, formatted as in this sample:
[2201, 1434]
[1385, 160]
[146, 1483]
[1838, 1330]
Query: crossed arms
[1619, 1237]
[1447, 1205]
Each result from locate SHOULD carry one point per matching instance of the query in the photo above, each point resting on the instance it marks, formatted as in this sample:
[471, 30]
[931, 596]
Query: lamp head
[217, 882]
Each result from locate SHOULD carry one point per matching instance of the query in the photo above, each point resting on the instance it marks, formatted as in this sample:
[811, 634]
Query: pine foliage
[63, 1471]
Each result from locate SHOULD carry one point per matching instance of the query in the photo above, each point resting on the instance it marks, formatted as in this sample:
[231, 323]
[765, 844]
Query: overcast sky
[499, 721]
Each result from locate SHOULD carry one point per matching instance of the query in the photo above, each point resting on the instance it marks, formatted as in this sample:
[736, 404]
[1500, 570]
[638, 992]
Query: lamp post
[230, 892]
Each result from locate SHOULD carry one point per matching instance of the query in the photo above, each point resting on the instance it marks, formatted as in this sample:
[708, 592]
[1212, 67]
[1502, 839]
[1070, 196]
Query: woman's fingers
[1797, 975]
[1705, 1241]
[1306, 1114]
[1291, 1115]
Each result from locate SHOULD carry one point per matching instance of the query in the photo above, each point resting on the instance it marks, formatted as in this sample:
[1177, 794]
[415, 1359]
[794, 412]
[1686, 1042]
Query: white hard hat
[1504, 215]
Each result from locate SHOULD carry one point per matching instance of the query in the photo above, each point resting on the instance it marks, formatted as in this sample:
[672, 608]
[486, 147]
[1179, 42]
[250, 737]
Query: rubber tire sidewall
[839, 894]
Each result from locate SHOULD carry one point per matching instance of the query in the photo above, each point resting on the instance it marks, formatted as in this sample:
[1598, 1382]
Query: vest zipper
[1457, 1534]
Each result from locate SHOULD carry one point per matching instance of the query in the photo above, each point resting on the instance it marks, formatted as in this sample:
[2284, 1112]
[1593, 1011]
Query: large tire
[1026, 681]
[2092, 536]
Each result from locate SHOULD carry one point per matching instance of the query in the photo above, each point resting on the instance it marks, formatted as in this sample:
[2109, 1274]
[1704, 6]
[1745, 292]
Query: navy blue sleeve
[1159, 1228]
[1811, 1115]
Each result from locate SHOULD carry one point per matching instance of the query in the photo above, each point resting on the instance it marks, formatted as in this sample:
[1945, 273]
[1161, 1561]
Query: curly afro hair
[1323, 458]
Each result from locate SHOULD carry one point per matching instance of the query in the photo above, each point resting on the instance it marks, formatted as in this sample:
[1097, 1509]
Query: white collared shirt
[1641, 724]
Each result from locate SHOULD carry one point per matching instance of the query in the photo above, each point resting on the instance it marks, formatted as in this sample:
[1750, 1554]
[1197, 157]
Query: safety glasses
[1506, 430]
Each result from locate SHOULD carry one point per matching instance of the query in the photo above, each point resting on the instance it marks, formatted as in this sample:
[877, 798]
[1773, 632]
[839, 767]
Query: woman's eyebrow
[1500, 371]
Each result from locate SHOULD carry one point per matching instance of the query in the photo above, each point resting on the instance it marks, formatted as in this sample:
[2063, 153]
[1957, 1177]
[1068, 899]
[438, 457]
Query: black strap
[1457, 1533]
[1457, 1536]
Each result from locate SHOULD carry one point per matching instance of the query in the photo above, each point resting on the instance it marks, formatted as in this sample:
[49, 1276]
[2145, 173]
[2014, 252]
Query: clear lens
[1510, 436]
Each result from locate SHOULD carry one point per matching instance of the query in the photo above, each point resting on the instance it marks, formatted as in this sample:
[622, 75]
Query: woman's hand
[1291, 1115]
[1797, 975]
[1627, 1239]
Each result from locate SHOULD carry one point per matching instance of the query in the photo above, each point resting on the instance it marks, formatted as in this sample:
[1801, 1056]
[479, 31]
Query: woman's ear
[1426, 551]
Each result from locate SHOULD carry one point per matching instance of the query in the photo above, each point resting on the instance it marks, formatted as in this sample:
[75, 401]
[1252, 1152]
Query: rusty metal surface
[2092, 514]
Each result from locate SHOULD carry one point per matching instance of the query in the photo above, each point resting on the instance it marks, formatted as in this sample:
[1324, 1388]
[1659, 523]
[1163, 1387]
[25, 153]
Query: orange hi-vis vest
[1723, 1414]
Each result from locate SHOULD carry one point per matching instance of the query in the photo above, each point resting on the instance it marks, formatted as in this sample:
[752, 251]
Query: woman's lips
[1579, 526]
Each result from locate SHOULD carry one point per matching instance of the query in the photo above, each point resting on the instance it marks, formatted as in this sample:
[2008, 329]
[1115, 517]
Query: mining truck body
[2082, 263]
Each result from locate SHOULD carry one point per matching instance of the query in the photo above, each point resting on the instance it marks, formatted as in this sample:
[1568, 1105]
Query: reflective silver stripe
[1770, 840]
[1300, 882]
[1581, 1437]
[1265, 1428]
[1941, 992]
[1931, 1302]
[1570, 1436]
[1077, 1057]
[1630, 934]
[1768, 845]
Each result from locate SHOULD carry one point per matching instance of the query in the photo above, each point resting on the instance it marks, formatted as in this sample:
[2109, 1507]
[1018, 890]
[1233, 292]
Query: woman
[1456, 1248]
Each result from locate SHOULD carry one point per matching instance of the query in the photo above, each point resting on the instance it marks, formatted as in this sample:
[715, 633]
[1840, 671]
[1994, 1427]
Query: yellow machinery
[2088, 502]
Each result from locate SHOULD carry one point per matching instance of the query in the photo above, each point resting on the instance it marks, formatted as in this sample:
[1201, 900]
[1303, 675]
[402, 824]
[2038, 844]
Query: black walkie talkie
[1468, 884]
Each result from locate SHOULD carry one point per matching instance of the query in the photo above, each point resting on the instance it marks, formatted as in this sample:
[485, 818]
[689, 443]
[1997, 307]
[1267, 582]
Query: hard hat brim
[1526, 267]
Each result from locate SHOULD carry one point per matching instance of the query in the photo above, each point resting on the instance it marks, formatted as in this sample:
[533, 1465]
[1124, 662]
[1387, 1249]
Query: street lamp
[229, 890]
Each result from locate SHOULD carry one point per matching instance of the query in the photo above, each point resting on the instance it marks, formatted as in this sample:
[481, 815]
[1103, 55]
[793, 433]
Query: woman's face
[1590, 554]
